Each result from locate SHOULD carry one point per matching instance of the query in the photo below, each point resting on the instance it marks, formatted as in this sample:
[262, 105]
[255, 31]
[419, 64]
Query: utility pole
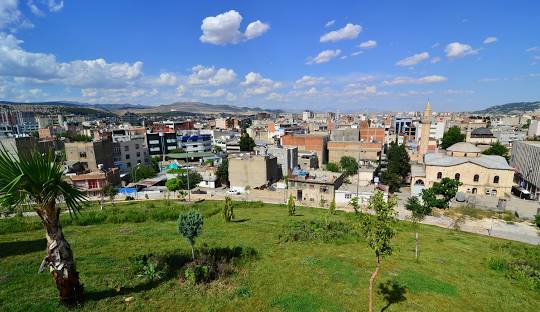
[189, 190]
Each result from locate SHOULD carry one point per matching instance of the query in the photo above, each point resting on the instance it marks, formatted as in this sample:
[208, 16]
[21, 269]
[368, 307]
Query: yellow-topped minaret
[424, 136]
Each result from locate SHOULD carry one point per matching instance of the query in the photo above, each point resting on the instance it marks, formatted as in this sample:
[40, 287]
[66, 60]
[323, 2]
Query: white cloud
[43, 68]
[330, 23]
[202, 75]
[307, 81]
[413, 60]
[489, 40]
[435, 60]
[411, 80]
[180, 90]
[350, 31]
[457, 50]
[357, 53]
[166, 79]
[368, 44]
[324, 56]
[536, 57]
[255, 83]
[34, 8]
[224, 28]
[256, 29]
[533, 49]
[10, 15]
[55, 6]
[208, 93]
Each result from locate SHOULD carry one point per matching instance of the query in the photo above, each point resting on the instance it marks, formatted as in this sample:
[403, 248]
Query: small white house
[347, 191]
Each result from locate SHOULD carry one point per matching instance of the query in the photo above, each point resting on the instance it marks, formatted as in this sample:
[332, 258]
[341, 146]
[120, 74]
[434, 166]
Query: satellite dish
[460, 197]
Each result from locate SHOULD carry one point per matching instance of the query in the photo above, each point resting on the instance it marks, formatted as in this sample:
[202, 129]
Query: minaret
[424, 139]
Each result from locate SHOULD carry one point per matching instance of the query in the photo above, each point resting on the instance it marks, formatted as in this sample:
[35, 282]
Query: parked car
[233, 192]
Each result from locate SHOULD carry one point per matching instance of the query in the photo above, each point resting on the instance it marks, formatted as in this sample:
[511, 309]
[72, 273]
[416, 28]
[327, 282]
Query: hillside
[281, 263]
[511, 108]
[198, 107]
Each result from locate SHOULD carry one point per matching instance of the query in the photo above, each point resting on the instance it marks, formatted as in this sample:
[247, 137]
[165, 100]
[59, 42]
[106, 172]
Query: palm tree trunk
[59, 258]
[371, 281]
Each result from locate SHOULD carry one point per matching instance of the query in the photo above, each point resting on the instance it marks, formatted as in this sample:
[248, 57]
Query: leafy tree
[332, 208]
[348, 165]
[448, 188]
[155, 163]
[429, 197]
[333, 167]
[194, 179]
[451, 137]
[142, 172]
[291, 205]
[419, 212]
[398, 167]
[537, 220]
[322, 202]
[228, 213]
[39, 181]
[247, 144]
[354, 203]
[217, 149]
[222, 171]
[378, 231]
[173, 185]
[110, 191]
[190, 226]
[497, 149]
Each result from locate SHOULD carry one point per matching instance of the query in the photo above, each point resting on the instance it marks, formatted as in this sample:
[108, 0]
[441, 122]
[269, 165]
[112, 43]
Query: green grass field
[456, 272]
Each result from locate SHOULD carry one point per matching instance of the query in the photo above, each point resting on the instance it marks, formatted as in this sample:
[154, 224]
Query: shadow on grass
[393, 292]
[240, 220]
[22, 247]
[171, 264]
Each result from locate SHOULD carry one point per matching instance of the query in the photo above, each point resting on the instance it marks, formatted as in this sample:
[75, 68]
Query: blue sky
[319, 55]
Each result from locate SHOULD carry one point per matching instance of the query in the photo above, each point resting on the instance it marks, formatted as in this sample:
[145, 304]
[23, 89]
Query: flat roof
[190, 155]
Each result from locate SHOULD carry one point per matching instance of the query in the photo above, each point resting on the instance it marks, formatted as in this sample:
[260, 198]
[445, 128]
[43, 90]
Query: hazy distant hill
[515, 108]
[198, 107]
[57, 107]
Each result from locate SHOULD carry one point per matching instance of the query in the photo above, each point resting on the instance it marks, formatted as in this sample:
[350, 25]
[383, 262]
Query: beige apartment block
[358, 150]
[252, 171]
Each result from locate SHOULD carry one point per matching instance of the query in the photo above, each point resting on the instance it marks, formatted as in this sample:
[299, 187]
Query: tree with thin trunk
[110, 191]
[190, 226]
[228, 213]
[378, 231]
[419, 212]
[291, 205]
[39, 182]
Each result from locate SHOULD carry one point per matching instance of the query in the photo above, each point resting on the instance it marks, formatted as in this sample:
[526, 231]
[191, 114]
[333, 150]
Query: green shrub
[537, 220]
[197, 273]
[318, 230]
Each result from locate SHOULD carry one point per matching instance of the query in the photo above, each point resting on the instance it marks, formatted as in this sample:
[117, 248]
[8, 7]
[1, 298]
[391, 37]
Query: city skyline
[292, 56]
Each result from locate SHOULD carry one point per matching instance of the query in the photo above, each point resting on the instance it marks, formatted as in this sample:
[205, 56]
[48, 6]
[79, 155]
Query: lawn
[456, 271]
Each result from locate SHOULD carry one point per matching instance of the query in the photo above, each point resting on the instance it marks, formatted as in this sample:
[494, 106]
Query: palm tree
[38, 181]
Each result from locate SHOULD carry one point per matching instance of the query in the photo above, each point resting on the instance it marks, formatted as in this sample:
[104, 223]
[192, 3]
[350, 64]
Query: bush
[519, 263]
[196, 273]
[318, 230]
[537, 220]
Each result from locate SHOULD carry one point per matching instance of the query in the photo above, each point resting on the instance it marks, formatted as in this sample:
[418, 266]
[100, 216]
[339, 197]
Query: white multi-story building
[534, 128]
[194, 142]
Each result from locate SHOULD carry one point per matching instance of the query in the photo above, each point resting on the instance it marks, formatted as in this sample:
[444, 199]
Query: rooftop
[487, 161]
[464, 147]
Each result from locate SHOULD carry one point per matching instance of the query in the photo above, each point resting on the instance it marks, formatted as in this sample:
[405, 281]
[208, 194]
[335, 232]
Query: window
[126, 148]
[311, 186]
[457, 176]
[92, 184]
[137, 146]
[496, 179]
[323, 189]
[82, 154]
[153, 142]
[348, 196]
[439, 175]
[138, 154]
[476, 178]
[127, 156]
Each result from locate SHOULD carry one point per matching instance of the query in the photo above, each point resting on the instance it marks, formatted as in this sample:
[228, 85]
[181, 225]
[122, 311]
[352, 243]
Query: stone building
[358, 150]
[309, 143]
[90, 154]
[480, 174]
[310, 187]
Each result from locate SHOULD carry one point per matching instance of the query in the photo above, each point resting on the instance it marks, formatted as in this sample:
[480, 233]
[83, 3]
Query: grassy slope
[301, 276]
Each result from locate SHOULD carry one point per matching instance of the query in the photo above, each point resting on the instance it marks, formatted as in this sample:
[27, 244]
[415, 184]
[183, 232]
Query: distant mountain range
[511, 108]
[119, 109]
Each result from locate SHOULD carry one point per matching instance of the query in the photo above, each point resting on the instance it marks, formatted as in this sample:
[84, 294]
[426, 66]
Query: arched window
[439, 175]
[476, 178]
[457, 176]
[496, 179]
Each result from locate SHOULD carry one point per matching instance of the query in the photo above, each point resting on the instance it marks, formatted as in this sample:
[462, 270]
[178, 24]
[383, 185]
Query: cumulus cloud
[55, 6]
[166, 79]
[324, 56]
[16, 62]
[224, 29]
[180, 90]
[357, 53]
[256, 29]
[350, 31]
[489, 40]
[413, 60]
[34, 8]
[330, 23]
[202, 75]
[50, 5]
[533, 49]
[11, 16]
[368, 44]
[255, 84]
[411, 80]
[457, 50]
